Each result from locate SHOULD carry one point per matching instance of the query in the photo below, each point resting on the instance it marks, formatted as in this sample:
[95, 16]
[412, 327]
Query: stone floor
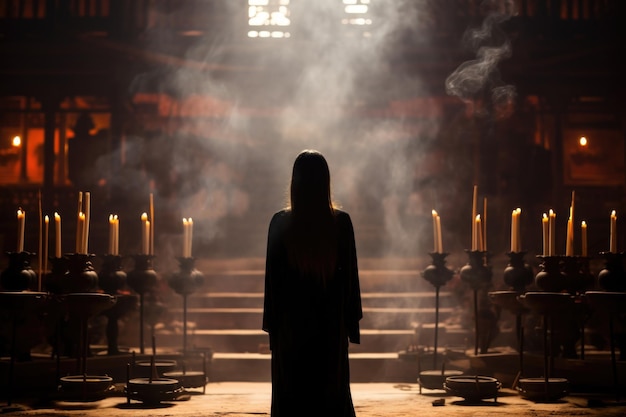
[239, 399]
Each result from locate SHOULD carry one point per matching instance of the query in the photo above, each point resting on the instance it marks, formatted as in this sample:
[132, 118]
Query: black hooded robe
[310, 325]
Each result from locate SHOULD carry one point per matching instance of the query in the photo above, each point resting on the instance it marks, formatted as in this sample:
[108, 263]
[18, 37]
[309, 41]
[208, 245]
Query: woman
[312, 297]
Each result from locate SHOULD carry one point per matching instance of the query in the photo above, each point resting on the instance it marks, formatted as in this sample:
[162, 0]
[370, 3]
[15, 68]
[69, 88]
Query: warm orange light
[582, 141]
[17, 141]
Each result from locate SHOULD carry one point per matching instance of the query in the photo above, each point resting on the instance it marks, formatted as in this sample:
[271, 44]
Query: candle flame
[144, 217]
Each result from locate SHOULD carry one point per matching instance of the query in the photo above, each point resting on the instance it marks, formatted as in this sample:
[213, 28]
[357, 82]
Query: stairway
[225, 315]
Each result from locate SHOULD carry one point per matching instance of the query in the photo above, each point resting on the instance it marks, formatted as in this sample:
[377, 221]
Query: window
[268, 19]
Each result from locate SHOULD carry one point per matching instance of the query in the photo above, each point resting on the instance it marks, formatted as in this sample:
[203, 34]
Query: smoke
[478, 81]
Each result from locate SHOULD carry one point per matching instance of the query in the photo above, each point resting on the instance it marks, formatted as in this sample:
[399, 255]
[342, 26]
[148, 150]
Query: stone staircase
[225, 315]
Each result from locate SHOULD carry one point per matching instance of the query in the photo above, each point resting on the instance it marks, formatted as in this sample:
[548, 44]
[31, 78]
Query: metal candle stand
[19, 276]
[517, 275]
[185, 282]
[112, 280]
[477, 274]
[612, 300]
[143, 279]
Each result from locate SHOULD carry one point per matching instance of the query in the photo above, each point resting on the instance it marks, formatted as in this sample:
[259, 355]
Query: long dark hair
[312, 240]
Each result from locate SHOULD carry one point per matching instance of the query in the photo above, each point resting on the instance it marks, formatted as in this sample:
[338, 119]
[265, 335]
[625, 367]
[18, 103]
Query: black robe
[310, 325]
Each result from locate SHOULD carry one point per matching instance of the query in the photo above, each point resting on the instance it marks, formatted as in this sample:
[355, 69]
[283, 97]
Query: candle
[484, 222]
[111, 234]
[479, 234]
[116, 240]
[439, 239]
[613, 235]
[80, 233]
[145, 234]
[518, 227]
[513, 231]
[57, 234]
[151, 252]
[552, 233]
[46, 227]
[87, 211]
[185, 237]
[546, 234]
[189, 236]
[21, 225]
[583, 237]
[434, 214]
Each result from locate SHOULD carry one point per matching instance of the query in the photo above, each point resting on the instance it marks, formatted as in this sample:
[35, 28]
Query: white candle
[87, 212]
[21, 226]
[434, 214]
[484, 225]
[552, 234]
[439, 238]
[145, 234]
[613, 236]
[151, 252]
[116, 241]
[513, 230]
[190, 236]
[80, 235]
[518, 229]
[583, 237]
[79, 231]
[546, 233]
[185, 237]
[111, 234]
[57, 234]
[479, 234]
[46, 228]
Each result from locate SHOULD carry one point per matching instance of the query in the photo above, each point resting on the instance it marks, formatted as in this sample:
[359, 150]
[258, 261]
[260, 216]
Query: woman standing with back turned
[312, 303]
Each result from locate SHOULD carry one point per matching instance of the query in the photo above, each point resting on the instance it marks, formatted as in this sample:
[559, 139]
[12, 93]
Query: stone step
[369, 299]
[372, 340]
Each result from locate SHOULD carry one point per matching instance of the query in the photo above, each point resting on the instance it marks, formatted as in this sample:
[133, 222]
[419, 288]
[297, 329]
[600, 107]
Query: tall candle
[552, 234]
[116, 241]
[439, 238]
[190, 236]
[484, 224]
[79, 232]
[583, 237]
[613, 236]
[569, 243]
[434, 214]
[185, 238]
[87, 211]
[546, 233]
[145, 234]
[151, 251]
[111, 234]
[57, 235]
[21, 226]
[80, 235]
[479, 234]
[518, 229]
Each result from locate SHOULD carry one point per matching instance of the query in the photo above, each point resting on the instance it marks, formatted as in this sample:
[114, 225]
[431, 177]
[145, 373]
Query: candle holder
[550, 278]
[477, 274]
[55, 281]
[517, 275]
[112, 280]
[186, 282]
[142, 279]
[576, 280]
[438, 275]
[612, 277]
[19, 276]
[81, 275]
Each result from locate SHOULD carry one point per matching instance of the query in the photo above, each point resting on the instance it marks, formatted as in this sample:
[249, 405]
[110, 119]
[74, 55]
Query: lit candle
[86, 212]
[80, 235]
[479, 234]
[21, 225]
[439, 238]
[434, 214]
[569, 243]
[79, 232]
[613, 236]
[189, 236]
[57, 235]
[151, 252]
[583, 237]
[552, 234]
[484, 224]
[513, 231]
[111, 234]
[185, 237]
[145, 234]
[518, 229]
[546, 234]
[116, 241]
